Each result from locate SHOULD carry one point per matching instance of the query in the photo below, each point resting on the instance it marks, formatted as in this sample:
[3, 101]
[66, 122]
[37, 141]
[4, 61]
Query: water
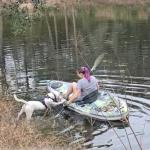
[54, 46]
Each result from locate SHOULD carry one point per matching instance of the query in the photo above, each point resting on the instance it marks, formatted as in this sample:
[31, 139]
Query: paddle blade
[98, 61]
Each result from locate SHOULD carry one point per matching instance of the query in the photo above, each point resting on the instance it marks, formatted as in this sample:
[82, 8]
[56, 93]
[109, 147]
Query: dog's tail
[19, 100]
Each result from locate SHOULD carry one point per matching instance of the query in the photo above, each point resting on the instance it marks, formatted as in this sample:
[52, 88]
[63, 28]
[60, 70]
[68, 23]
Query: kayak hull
[106, 107]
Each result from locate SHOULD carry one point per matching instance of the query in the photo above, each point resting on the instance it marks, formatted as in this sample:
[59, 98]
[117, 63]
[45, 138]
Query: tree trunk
[3, 82]
[75, 36]
[1, 37]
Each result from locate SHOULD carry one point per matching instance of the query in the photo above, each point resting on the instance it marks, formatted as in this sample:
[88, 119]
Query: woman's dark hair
[85, 71]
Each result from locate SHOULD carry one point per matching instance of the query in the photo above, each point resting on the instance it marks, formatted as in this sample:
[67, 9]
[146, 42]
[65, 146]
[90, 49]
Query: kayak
[107, 106]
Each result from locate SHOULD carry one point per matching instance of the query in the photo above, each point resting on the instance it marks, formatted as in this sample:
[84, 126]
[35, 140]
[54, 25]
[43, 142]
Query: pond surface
[57, 43]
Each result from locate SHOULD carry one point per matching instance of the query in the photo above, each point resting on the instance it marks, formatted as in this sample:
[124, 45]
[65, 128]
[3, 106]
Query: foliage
[19, 21]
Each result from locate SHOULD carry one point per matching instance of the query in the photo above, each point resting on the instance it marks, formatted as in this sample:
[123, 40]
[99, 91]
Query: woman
[87, 85]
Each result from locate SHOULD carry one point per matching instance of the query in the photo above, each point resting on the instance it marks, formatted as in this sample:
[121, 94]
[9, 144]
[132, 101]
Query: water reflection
[59, 42]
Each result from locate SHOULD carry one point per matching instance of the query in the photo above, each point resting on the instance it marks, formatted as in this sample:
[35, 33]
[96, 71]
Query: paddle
[97, 61]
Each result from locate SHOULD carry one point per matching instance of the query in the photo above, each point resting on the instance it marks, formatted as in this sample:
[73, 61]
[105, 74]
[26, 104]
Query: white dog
[53, 99]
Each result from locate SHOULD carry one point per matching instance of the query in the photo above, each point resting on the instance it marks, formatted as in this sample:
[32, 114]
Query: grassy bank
[118, 2]
[24, 136]
[83, 2]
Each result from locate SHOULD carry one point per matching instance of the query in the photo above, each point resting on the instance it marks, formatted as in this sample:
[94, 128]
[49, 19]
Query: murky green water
[54, 45]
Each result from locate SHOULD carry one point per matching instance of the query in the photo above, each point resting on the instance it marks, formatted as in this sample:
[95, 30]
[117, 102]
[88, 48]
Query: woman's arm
[97, 86]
